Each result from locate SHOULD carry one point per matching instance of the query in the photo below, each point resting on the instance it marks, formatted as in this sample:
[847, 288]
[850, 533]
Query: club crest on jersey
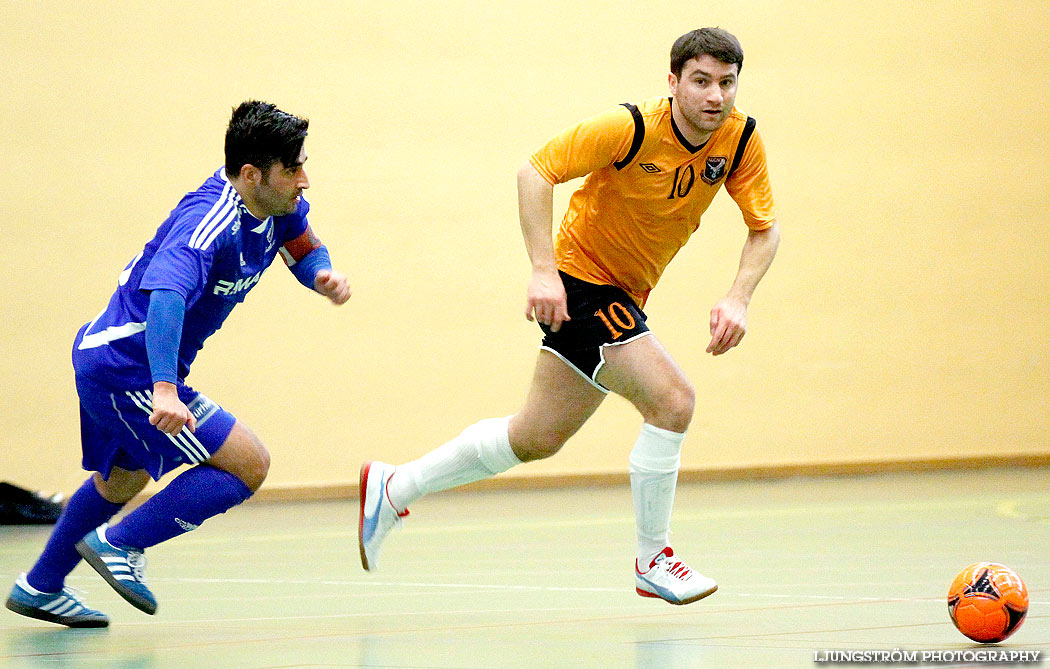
[714, 169]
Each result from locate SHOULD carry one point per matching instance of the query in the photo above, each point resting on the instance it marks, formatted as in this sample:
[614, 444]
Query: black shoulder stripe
[745, 137]
[639, 135]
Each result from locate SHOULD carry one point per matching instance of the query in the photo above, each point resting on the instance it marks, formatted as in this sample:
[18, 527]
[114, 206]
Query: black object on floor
[19, 506]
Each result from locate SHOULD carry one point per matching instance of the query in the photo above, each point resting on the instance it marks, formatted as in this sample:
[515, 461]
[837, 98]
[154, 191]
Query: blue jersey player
[139, 419]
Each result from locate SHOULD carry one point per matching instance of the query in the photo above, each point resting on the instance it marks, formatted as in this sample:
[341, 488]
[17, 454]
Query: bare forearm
[545, 300]
[755, 259]
[729, 316]
[535, 211]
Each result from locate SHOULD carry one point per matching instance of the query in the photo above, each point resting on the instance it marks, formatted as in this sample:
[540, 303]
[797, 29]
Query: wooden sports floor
[543, 579]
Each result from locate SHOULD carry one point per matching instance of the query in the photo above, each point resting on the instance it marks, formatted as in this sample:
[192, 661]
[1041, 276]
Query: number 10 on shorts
[616, 315]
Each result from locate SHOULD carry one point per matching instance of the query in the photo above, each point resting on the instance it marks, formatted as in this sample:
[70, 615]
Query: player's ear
[250, 174]
[672, 82]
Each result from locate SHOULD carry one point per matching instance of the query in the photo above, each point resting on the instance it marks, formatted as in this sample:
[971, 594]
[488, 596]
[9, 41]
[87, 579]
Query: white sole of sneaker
[39, 614]
[361, 514]
[696, 598]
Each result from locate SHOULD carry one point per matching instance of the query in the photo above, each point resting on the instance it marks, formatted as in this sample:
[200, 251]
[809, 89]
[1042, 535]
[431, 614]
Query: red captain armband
[296, 249]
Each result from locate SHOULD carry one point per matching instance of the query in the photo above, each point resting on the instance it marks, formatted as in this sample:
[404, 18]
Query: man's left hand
[333, 285]
[728, 325]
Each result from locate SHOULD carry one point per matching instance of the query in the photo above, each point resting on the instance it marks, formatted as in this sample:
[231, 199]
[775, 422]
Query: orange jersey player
[652, 172]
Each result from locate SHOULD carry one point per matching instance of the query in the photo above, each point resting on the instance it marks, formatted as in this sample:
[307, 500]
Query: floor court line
[531, 588]
[647, 615]
[507, 587]
[1005, 507]
[401, 630]
[355, 584]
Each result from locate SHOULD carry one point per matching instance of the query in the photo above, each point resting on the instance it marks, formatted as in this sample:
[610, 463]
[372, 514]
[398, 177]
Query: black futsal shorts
[600, 316]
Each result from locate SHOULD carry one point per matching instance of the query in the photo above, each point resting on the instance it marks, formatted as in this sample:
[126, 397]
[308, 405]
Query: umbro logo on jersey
[649, 167]
[714, 168]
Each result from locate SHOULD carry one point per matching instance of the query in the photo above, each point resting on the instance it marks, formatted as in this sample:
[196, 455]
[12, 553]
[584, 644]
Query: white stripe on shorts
[187, 439]
[192, 449]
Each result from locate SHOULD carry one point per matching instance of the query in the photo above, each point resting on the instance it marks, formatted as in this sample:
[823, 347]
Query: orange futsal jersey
[646, 190]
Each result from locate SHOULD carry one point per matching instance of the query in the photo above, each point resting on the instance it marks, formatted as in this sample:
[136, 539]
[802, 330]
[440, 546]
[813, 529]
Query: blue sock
[193, 497]
[85, 511]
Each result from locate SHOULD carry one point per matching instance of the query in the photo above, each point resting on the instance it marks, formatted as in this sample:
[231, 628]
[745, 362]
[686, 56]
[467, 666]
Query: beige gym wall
[905, 317]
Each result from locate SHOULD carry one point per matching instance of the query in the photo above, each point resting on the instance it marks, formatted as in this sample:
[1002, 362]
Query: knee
[256, 466]
[536, 448]
[121, 486]
[680, 406]
[244, 456]
[535, 444]
[674, 409]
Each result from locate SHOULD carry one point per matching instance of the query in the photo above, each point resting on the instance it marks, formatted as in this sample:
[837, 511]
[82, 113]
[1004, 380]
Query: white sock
[480, 451]
[654, 464]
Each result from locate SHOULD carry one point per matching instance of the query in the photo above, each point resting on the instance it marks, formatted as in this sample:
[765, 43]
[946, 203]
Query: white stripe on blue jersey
[219, 204]
[222, 212]
[112, 333]
[231, 215]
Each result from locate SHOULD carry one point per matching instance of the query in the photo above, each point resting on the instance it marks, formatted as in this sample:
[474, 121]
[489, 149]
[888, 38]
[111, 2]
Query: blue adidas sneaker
[123, 569]
[64, 608]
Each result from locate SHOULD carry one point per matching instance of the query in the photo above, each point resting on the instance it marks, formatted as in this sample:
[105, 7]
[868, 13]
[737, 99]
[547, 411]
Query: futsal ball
[987, 602]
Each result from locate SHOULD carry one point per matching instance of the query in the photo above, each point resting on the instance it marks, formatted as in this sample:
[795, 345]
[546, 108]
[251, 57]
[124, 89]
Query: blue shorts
[115, 430]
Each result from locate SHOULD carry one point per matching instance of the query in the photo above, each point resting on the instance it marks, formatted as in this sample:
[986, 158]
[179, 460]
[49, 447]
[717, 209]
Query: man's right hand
[169, 413]
[546, 299]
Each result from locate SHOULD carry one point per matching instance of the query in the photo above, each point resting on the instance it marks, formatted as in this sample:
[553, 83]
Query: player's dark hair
[713, 42]
[260, 134]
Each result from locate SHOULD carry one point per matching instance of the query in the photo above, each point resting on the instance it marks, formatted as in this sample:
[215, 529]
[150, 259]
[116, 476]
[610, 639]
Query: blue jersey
[211, 251]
